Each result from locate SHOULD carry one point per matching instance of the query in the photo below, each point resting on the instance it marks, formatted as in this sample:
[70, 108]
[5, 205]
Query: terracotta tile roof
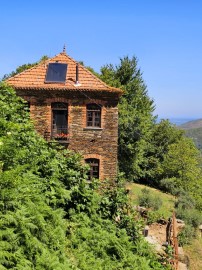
[34, 78]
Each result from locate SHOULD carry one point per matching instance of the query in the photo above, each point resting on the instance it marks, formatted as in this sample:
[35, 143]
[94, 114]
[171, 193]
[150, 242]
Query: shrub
[190, 216]
[169, 185]
[186, 235]
[148, 200]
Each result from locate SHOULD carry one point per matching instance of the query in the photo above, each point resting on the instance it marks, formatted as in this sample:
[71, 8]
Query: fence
[171, 238]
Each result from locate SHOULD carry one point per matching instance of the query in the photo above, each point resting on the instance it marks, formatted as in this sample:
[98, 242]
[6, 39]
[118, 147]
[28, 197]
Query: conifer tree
[135, 116]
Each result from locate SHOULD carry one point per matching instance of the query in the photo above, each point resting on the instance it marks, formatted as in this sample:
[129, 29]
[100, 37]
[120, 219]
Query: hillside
[157, 231]
[192, 124]
[193, 129]
[167, 207]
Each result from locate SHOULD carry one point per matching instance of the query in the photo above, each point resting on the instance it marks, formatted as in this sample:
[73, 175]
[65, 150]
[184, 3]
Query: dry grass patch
[194, 252]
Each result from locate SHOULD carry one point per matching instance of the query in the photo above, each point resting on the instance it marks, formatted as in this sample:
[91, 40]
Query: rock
[182, 266]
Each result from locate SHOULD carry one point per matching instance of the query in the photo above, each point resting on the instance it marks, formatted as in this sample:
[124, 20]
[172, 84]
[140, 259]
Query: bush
[148, 200]
[190, 216]
[169, 185]
[186, 235]
[184, 201]
[185, 210]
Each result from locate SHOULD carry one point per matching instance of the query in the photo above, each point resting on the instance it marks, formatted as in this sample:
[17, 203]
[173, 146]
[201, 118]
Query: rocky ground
[157, 237]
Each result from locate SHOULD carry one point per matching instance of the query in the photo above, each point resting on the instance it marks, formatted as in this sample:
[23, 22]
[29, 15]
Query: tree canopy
[135, 116]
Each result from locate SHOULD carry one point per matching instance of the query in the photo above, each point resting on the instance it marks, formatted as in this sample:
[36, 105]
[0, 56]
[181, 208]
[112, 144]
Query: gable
[39, 77]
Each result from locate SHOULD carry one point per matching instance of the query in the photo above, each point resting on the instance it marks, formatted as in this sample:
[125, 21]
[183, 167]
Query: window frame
[59, 106]
[93, 109]
[93, 163]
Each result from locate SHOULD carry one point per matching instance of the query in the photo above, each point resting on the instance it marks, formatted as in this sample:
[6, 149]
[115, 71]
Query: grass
[165, 211]
[194, 252]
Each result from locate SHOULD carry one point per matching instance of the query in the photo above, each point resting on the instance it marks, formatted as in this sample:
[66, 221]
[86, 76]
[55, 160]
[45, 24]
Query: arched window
[93, 115]
[59, 121]
[94, 164]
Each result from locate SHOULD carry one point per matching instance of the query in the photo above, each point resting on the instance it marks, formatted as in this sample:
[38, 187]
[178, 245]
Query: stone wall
[100, 143]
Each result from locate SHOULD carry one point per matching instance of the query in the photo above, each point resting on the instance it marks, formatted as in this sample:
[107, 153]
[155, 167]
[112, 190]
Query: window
[94, 167]
[59, 121]
[93, 115]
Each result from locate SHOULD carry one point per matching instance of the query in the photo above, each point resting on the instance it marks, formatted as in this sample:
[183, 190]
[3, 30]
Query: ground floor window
[94, 167]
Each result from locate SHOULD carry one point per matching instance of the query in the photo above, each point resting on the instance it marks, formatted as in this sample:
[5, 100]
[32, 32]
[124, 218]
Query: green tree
[162, 135]
[182, 162]
[136, 118]
[182, 166]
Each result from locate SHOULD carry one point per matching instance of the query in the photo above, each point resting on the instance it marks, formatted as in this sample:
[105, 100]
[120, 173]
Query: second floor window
[59, 121]
[93, 115]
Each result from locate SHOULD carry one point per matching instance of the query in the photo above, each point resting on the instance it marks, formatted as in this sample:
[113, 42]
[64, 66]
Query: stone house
[71, 105]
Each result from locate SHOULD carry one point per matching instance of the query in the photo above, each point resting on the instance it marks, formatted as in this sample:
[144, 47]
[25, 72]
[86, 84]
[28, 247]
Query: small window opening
[94, 168]
[59, 121]
[93, 115]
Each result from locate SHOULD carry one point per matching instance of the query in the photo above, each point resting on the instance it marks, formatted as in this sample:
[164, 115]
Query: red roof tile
[34, 78]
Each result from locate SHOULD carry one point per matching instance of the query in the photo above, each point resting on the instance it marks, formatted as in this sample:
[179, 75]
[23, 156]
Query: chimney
[77, 83]
[77, 73]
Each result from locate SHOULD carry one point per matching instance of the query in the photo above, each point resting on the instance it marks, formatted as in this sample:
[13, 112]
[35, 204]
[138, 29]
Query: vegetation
[167, 201]
[193, 130]
[194, 252]
[97, 219]
[157, 154]
[51, 217]
[135, 116]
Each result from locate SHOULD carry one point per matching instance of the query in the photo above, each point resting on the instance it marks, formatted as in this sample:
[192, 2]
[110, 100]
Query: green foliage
[174, 162]
[135, 116]
[108, 75]
[96, 243]
[50, 217]
[196, 135]
[186, 235]
[182, 162]
[162, 136]
[148, 200]
[185, 210]
[158, 154]
[32, 227]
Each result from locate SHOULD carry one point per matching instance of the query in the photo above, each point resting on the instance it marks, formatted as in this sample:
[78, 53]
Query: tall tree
[163, 134]
[135, 116]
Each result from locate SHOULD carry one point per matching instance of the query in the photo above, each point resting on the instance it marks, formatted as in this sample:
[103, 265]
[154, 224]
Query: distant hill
[192, 124]
[193, 129]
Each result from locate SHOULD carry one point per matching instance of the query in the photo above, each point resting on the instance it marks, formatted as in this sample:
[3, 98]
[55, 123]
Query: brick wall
[100, 143]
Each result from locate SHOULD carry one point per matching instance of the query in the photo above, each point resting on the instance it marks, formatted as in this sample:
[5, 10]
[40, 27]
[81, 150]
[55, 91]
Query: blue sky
[165, 36]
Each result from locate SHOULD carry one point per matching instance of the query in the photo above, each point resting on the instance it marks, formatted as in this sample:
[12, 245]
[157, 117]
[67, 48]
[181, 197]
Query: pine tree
[135, 116]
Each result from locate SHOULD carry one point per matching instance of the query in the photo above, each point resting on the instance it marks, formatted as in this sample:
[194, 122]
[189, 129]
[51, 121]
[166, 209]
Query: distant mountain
[176, 120]
[193, 129]
[192, 124]
[180, 121]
